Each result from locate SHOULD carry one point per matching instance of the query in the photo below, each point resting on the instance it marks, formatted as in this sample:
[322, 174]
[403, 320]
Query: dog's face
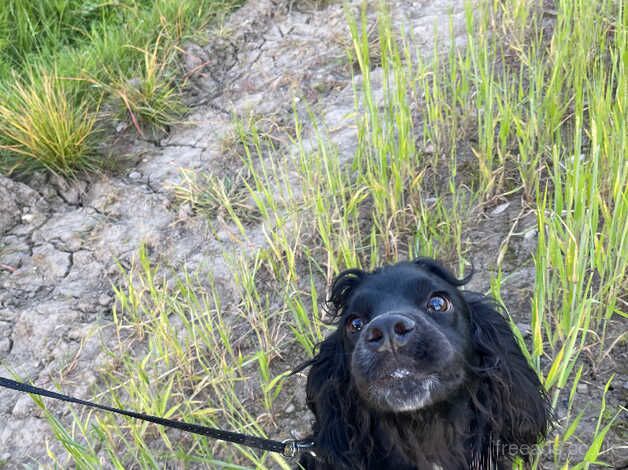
[408, 333]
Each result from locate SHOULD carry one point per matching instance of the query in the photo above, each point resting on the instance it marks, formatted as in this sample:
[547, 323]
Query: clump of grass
[125, 49]
[152, 98]
[220, 196]
[44, 124]
[366, 213]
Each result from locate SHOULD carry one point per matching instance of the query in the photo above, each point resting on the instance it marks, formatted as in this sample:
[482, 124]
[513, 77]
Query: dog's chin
[401, 391]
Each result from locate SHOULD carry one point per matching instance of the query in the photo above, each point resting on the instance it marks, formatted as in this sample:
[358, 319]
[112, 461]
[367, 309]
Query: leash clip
[293, 446]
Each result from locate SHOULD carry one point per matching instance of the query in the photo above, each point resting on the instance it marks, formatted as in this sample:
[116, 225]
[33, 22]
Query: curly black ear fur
[343, 431]
[329, 391]
[510, 397]
[341, 290]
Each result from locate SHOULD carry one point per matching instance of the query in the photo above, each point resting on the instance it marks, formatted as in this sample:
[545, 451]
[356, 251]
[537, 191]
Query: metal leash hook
[294, 446]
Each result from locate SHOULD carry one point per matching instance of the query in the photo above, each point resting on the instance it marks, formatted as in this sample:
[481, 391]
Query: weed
[152, 98]
[45, 125]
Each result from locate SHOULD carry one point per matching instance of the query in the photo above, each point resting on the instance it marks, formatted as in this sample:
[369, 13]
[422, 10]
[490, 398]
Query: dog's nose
[389, 332]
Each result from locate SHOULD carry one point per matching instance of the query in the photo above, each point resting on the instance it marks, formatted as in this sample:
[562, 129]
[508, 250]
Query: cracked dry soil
[61, 242]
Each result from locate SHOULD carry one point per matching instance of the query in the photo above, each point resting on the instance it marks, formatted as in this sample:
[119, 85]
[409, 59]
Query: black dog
[420, 375]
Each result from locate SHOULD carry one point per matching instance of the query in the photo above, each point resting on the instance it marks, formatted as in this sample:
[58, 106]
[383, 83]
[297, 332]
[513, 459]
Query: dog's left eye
[439, 303]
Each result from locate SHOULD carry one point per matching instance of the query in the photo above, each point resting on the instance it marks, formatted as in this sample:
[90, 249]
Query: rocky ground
[61, 243]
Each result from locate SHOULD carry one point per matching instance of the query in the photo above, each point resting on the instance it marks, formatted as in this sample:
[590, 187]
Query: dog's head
[413, 349]
[407, 329]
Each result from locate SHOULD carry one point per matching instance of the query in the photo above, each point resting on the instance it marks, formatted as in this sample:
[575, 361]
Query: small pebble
[135, 175]
[501, 208]
[582, 388]
[290, 408]
[104, 300]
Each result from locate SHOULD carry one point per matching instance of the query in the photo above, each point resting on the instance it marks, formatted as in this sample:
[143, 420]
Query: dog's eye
[439, 303]
[354, 323]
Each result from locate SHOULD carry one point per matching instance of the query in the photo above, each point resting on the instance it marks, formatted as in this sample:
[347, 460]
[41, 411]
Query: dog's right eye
[354, 324]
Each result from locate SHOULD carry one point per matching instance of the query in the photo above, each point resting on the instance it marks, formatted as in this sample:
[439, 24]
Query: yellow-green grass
[83, 53]
[545, 117]
[44, 124]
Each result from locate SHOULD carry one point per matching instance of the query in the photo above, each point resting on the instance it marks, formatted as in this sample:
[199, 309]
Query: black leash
[288, 448]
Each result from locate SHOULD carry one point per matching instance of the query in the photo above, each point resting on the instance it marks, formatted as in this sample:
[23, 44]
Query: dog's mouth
[400, 373]
[397, 386]
[403, 386]
[401, 390]
[396, 374]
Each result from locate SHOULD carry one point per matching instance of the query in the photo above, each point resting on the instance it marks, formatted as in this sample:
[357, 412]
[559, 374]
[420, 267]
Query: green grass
[519, 113]
[45, 125]
[83, 54]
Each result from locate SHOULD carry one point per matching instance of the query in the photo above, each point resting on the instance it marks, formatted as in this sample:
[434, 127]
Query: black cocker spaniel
[420, 375]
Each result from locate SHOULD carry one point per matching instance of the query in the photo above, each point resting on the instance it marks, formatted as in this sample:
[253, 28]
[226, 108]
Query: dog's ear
[332, 399]
[329, 391]
[510, 396]
[341, 289]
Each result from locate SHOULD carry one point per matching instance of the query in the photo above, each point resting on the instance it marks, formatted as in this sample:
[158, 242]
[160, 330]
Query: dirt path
[60, 243]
